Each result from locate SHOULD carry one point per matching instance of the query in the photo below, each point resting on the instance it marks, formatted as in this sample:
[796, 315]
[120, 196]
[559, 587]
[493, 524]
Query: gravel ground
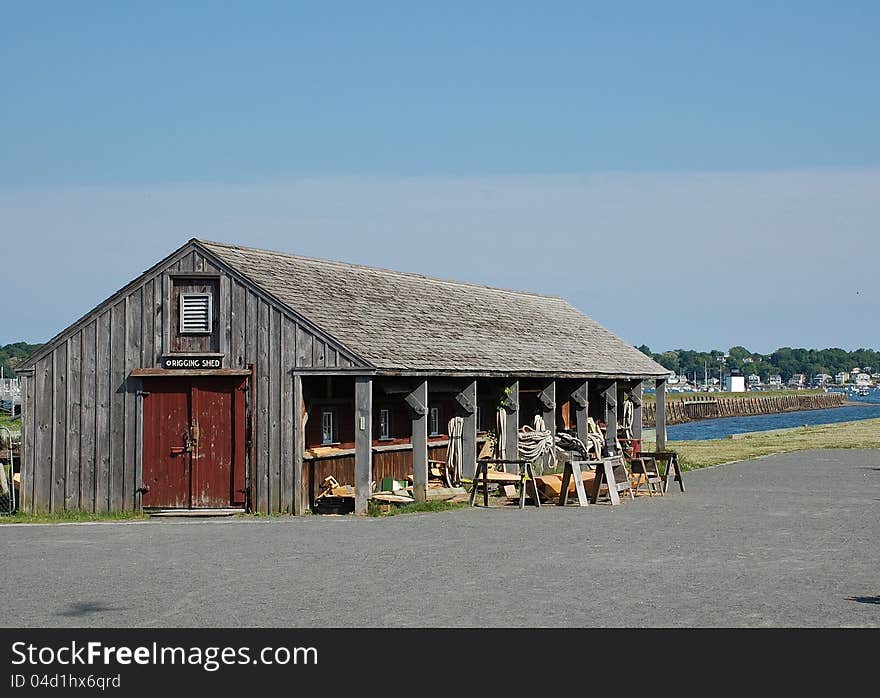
[790, 540]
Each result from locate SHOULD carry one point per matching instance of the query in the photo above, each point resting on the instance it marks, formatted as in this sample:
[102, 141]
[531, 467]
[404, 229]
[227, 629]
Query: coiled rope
[452, 471]
[536, 444]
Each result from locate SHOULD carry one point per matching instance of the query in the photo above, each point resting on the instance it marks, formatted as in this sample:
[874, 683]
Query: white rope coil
[452, 471]
[536, 444]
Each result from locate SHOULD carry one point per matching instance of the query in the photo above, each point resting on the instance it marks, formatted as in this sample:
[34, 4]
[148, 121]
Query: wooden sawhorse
[605, 474]
[672, 467]
[573, 470]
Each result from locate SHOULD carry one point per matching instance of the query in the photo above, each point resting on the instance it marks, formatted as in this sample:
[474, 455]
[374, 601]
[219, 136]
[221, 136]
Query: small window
[384, 424]
[434, 421]
[328, 427]
[196, 313]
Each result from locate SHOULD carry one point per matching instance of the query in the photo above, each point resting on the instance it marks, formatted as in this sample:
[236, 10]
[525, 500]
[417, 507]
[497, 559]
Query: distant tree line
[13, 354]
[784, 361]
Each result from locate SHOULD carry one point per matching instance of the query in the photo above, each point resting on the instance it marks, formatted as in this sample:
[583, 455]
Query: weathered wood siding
[80, 418]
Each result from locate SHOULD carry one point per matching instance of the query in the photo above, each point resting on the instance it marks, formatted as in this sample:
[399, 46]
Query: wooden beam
[363, 442]
[660, 414]
[580, 404]
[300, 496]
[511, 404]
[636, 397]
[547, 400]
[419, 396]
[469, 430]
[610, 395]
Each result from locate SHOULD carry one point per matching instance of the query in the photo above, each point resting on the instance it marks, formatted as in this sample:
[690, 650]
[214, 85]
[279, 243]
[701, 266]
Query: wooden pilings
[695, 408]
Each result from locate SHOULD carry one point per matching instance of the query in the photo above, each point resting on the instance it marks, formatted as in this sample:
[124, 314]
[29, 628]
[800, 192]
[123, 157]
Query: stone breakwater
[691, 409]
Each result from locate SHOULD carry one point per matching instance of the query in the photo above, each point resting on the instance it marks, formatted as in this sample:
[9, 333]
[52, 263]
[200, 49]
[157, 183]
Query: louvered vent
[195, 313]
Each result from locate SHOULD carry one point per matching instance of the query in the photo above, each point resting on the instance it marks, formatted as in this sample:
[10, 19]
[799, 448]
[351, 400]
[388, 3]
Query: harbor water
[868, 407]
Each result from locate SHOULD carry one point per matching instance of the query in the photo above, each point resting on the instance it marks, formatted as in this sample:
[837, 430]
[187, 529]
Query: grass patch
[863, 433]
[10, 422]
[71, 517]
[415, 508]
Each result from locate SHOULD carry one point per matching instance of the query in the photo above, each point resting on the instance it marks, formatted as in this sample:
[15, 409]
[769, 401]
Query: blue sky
[726, 154]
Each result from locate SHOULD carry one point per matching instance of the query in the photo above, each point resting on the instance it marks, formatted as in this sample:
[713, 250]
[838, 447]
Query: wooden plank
[26, 488]
[102, 413]
[237, 344]
[512, 424]
[117, 406]
[469, 433]
[263, 390]
[304, 341]
[133, 333]
[87, 412]
[274, 489]
[159, 320]
[224, 320]
[319, 350]
[167, 315]
[419, 442]
[660, 414]
[252, 319]
[59, 427]
[288, 362]
[300, 496]
[74, 417]
[43, 453]
[148, 318]
[363, 437]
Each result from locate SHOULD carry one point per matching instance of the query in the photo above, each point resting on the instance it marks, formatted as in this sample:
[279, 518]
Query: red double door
[194, 442]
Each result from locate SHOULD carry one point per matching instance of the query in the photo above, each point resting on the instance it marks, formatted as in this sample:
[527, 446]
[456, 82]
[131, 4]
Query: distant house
[798, 380]
[748, 360]
[820, 380]
[841, 378]
[753, 380]
[862, 380]
[775, 381]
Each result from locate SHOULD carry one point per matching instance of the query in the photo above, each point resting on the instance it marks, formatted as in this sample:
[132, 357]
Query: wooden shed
[227, 376]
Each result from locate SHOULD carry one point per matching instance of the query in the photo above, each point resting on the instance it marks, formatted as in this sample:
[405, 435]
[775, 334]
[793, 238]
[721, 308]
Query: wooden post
[660, 418]
[511, 404]
[547, 400]
[636, 397]
[611, 417]
[300, 497]
[363, 442]
[418, 402]
[580, 403]
[467, 398]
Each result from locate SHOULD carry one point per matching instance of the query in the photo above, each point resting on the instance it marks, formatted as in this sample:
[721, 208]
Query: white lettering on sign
[202, 362]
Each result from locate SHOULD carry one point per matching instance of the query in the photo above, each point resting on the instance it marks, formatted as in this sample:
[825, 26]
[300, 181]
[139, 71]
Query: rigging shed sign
[191, 362]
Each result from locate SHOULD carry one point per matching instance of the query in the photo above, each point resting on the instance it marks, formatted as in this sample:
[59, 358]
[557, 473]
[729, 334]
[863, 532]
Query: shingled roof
[408, 322]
